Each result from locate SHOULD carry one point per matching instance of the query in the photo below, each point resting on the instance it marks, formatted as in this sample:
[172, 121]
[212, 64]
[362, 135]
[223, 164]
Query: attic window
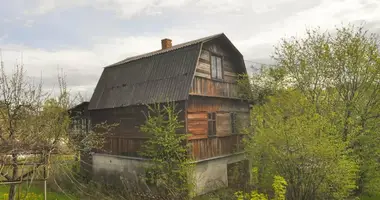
[216, 67]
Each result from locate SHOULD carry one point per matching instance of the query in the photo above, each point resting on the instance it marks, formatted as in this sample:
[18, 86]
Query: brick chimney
[166, 43]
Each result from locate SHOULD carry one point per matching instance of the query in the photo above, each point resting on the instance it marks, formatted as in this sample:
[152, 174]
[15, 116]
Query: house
[200, 77]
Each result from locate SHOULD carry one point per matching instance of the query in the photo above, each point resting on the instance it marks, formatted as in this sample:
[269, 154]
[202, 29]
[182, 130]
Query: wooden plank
[204, 66]
[228, 64]
[204, 61]
[227, 73]
[197, 123]
[203, 75]
[223, 124]
[203, 71]
[203, 148]
[195, 137]
[230, 79]
[197, 116]
[205, 55]
[209, 87]
[205, 104]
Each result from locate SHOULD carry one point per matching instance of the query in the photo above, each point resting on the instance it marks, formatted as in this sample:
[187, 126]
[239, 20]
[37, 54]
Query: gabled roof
[175, 47]
[158, 76]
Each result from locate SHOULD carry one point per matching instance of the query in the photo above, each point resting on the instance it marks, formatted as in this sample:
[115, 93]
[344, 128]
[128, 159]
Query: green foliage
[28, 196]
[335, 80]
[171, 167]
[279, 187]
[254, 195]
[291, 139]
[340, 75]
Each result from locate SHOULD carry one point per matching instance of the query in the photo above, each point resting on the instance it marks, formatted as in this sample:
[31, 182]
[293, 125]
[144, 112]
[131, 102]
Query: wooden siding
[126, 139]
[207, 104]
[197, 124]
[204, 148]
[223, 124]
[123, 145]
[228, 63]
[207, 87]
[204, 67]
[224, 143]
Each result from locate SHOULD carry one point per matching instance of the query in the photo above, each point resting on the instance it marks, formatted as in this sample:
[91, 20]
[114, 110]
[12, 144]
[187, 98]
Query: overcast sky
[82, 36]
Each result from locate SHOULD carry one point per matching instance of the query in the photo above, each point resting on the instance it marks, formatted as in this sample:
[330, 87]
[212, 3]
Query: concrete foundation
[115, 169]
[210, 174]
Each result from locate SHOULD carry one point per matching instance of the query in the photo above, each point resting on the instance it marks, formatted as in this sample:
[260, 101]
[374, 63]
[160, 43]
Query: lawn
[374, 197]
[34, 193]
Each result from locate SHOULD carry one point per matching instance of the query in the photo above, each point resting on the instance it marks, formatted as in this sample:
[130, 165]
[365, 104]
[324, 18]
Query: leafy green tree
[171, 167]
[291, 139]
[338, 75]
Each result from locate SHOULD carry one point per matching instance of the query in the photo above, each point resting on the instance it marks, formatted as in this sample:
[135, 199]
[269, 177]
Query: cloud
[107, 31]
[132, 8]
[82, 67]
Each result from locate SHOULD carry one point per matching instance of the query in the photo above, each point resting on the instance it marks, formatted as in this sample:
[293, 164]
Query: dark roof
[175, 47]
[82, 104]
[159, 76]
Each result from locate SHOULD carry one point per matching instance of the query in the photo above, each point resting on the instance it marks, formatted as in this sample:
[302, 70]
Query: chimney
[166, 43]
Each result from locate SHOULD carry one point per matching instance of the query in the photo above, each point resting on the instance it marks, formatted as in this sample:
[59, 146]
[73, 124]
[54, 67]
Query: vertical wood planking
[208, 87]
[216, 146]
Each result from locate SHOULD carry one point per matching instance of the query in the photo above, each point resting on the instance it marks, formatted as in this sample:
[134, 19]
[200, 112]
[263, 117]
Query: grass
[4, 190]
[372, 197]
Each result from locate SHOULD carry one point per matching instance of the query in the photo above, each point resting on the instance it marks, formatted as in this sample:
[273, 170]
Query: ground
[35, 193]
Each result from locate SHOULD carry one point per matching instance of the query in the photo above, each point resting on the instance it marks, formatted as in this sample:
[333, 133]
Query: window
[211, 124]
[216, 67]
[233, 123]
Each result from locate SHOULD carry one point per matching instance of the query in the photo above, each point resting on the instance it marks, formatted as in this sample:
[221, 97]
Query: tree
[291, 139]
[170, 167]
[338, 76]
[33, 128]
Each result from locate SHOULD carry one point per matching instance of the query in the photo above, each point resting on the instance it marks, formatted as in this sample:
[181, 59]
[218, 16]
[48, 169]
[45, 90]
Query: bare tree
[34, 127]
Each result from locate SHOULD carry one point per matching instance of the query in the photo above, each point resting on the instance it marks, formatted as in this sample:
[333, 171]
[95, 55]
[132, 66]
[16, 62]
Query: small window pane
[210, 126]
[219, 67]
[211, 123]
[213, 67]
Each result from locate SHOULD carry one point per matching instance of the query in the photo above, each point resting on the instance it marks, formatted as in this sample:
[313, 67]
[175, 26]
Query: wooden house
[200, 77]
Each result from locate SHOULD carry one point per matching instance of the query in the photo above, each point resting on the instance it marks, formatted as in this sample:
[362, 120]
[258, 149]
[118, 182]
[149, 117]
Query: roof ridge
[161, 51]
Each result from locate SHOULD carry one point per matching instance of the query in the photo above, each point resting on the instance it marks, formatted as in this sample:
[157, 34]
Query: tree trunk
[13, 187]
[12, 192]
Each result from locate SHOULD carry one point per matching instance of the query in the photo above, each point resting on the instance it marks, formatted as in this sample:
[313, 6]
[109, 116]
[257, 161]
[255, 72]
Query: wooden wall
[229, 62]
[224, 142]
[204, 85]
[126, 139]
[207, 87]
[203, 148]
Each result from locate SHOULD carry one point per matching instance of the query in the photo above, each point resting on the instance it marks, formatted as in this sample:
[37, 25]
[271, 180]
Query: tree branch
[5, 176]
[28, 173]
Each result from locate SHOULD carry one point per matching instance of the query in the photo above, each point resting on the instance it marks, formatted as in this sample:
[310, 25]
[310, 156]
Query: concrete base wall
[114, 169]
[210, 174]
